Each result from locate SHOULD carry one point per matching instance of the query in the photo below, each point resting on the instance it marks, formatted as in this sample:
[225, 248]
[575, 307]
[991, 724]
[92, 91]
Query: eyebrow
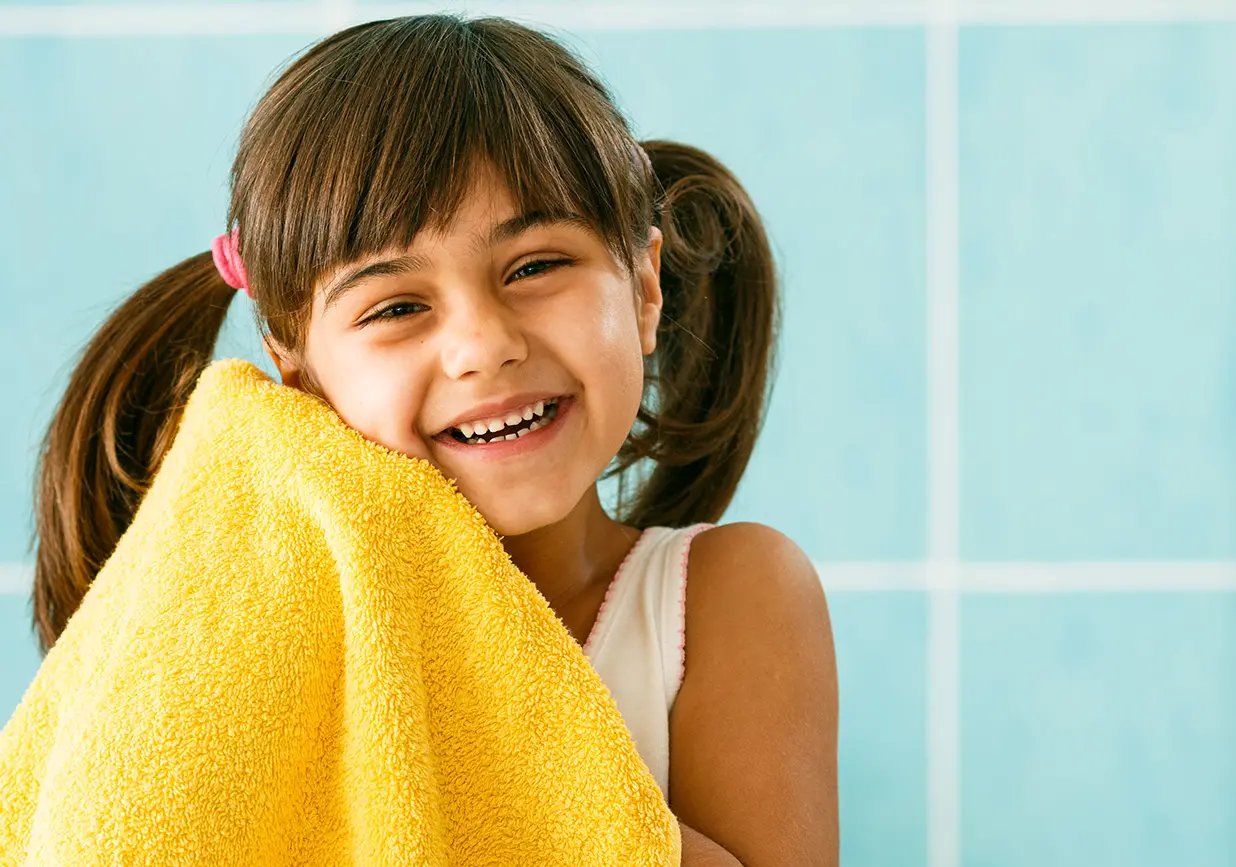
[516, 226]
[408, 263]
[411, 263]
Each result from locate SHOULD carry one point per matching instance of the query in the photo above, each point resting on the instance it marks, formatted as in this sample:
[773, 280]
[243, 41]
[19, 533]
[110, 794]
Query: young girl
[450, 235]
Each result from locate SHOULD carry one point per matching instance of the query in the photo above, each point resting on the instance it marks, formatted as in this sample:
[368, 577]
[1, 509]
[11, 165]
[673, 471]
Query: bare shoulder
[748, 582]
[754, 727]
[753, 546]
[735, 566]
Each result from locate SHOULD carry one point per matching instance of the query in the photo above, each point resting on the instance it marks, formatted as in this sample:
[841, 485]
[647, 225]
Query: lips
[504, 415]
[516, 424]
[509, 441]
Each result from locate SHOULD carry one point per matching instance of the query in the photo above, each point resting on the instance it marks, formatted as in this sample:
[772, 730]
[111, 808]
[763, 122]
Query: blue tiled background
[841, 186]
[1097, 729]
[1098, 311]
[1097, 241]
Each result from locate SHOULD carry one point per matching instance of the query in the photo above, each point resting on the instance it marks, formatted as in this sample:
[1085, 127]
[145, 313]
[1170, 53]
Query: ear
[648, 274]
[289, 371]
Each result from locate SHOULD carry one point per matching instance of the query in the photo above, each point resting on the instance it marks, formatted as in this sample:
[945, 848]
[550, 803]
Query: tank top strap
[638, 642]
[651, 584]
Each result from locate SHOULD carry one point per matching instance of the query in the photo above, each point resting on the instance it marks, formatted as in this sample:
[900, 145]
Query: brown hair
[341, 159]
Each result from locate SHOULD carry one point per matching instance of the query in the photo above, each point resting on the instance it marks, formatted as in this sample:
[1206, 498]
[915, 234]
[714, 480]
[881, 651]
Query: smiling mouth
[512, 427]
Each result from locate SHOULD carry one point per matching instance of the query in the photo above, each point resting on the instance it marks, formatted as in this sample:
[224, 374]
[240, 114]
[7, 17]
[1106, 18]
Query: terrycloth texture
[310, 650]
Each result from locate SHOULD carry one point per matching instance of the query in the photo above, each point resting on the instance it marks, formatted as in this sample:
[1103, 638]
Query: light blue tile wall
[1098, 729]
[825, 129]
[1098, 292]
[1098, 422]
[19, 656]
[113, 166]
[880, 639]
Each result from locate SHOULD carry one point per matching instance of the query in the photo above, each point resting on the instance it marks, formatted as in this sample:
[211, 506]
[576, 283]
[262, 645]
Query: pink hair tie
[226, 252]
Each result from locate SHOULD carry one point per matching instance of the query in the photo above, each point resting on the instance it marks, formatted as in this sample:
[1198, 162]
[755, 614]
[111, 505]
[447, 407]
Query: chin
[522, 518]
[515, 525]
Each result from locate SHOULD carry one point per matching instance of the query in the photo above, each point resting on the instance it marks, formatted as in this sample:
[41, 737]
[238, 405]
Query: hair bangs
[377, 133]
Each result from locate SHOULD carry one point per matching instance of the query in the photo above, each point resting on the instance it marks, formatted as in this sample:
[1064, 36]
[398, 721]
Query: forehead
[487, 198]
[489, 212]
[487, 202]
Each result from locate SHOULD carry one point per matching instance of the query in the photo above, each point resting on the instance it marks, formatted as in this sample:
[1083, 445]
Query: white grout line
[154, 19]
[1107, 577]
[943, 714]
[15, 579]
[151, 18]
[682, 14]
[336, 14]
[969, 578]
[1013, 12]
[942, 361]
[943, 466]
[1032, 578]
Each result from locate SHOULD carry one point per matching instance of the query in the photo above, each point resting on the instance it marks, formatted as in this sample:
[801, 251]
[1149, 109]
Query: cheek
[618, 360]
[377, 394]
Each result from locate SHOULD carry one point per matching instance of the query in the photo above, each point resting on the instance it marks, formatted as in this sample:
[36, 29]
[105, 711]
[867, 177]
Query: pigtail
[113, 426]
[709, 378]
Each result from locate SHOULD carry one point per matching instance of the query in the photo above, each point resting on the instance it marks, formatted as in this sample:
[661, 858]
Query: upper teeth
[476, 428]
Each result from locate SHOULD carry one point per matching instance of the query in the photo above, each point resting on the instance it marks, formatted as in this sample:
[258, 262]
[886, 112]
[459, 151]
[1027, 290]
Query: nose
[480, 337]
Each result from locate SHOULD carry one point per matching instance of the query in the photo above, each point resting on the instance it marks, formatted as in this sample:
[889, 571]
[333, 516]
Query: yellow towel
[310, 650]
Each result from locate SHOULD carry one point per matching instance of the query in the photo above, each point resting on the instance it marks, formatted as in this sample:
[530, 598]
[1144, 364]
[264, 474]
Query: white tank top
[638, 643]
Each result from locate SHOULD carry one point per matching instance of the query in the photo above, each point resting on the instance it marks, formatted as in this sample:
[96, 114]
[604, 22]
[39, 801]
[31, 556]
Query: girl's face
[506, 349]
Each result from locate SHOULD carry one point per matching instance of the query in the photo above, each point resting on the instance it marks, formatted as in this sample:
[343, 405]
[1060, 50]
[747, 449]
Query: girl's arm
[699, 851]
[753, 732]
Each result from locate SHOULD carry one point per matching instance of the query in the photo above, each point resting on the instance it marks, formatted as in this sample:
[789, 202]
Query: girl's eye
[398, 310]
[532, 269]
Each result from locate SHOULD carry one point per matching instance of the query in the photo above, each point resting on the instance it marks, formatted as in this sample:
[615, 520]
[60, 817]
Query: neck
[567, 558]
